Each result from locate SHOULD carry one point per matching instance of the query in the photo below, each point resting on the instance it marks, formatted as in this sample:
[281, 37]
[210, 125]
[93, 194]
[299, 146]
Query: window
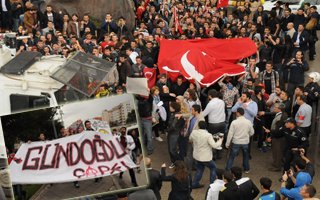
[19, 102]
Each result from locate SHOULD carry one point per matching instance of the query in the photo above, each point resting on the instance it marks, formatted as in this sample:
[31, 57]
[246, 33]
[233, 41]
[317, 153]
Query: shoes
[135, 184]
[172, 166]
[274, 169]
[197, 186]
[150, 153]
[96, 180]
[247, 172]
[311, 58]
[159, 139]
[76, 185]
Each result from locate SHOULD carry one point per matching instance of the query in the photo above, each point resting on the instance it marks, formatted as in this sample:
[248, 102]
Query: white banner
[137, 86]
[74, 158]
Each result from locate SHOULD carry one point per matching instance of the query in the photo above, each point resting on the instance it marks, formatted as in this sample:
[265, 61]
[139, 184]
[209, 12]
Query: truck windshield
[21, 102]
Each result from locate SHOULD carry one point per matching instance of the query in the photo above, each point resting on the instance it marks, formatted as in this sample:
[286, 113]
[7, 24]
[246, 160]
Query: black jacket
[179, 190]
[299, 19]
[313, 90]
[304, 39]
[230, 191]
[175, 124]
[155, 182]
[16, 12]
[247, 189]
[179, 89]
[44, 20]
[145, 107]
[296, 72]
[295, 138]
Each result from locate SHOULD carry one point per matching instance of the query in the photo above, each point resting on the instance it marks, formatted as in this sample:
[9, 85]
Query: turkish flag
[151, 75]
[222, 3]
[204, 60]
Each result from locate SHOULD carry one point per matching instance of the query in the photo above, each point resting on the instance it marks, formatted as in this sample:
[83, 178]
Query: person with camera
[301, 164]
[295, 138]
[239, 135]
[297, 67]
[301, 179]
[203, 142]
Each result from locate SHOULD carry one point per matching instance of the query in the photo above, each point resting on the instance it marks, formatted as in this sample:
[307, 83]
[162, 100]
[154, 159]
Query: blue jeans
[16, 24]
[200, 168]
[235, 148]
[146, 126]
[172, 147]
[183, 146]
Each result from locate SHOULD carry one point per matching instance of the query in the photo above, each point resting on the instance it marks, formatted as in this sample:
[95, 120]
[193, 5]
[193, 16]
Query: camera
[217, 136]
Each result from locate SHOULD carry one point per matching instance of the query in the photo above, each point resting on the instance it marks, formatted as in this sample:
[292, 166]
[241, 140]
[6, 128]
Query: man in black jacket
[300, 39]
[297, 66]
[155, 181]
[50, 15]
[295, 138]
[145, 112]
[230, 190]
[247, 188]
[278, 142]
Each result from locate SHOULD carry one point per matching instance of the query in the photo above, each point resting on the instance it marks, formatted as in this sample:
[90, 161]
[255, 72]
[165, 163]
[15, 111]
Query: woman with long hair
[185, 113]
[155, 91]
[180, 181]
[311, 28]
[191, 98]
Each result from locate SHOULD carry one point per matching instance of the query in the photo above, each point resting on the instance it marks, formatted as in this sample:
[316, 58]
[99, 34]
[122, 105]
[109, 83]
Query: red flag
[222, 3]
[176, 21]
[205, 60]
[151, 75]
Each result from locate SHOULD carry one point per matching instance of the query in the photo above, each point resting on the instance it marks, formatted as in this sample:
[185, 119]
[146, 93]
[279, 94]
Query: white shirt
[50, 16]
[202, 145]
[215, 187]
[215, 111]
[3, 4]
[240, 131]
[130, 143]
[304, 115]
[133, 57]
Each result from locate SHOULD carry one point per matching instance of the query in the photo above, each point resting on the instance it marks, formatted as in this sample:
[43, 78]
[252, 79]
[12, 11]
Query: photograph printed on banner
[79, 149]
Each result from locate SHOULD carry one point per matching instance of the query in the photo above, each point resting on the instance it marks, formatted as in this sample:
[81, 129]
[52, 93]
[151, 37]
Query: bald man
[291, 30]
[155, 182]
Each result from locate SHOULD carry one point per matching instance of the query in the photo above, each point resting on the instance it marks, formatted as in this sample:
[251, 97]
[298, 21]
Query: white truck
[30, 81]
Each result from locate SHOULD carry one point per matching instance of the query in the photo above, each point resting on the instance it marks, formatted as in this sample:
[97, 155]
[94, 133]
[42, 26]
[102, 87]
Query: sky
[91, 108]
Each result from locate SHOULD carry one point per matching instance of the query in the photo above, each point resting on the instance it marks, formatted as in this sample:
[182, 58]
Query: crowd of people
[271, 103]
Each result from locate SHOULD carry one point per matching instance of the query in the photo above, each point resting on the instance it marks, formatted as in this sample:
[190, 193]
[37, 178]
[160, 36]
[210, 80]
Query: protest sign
[137, 86]
[78, 157]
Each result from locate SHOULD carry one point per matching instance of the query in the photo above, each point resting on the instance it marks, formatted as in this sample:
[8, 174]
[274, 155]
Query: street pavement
[106, 185]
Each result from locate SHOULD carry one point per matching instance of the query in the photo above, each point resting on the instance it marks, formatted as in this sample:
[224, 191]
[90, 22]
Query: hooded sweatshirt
[294, 193]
